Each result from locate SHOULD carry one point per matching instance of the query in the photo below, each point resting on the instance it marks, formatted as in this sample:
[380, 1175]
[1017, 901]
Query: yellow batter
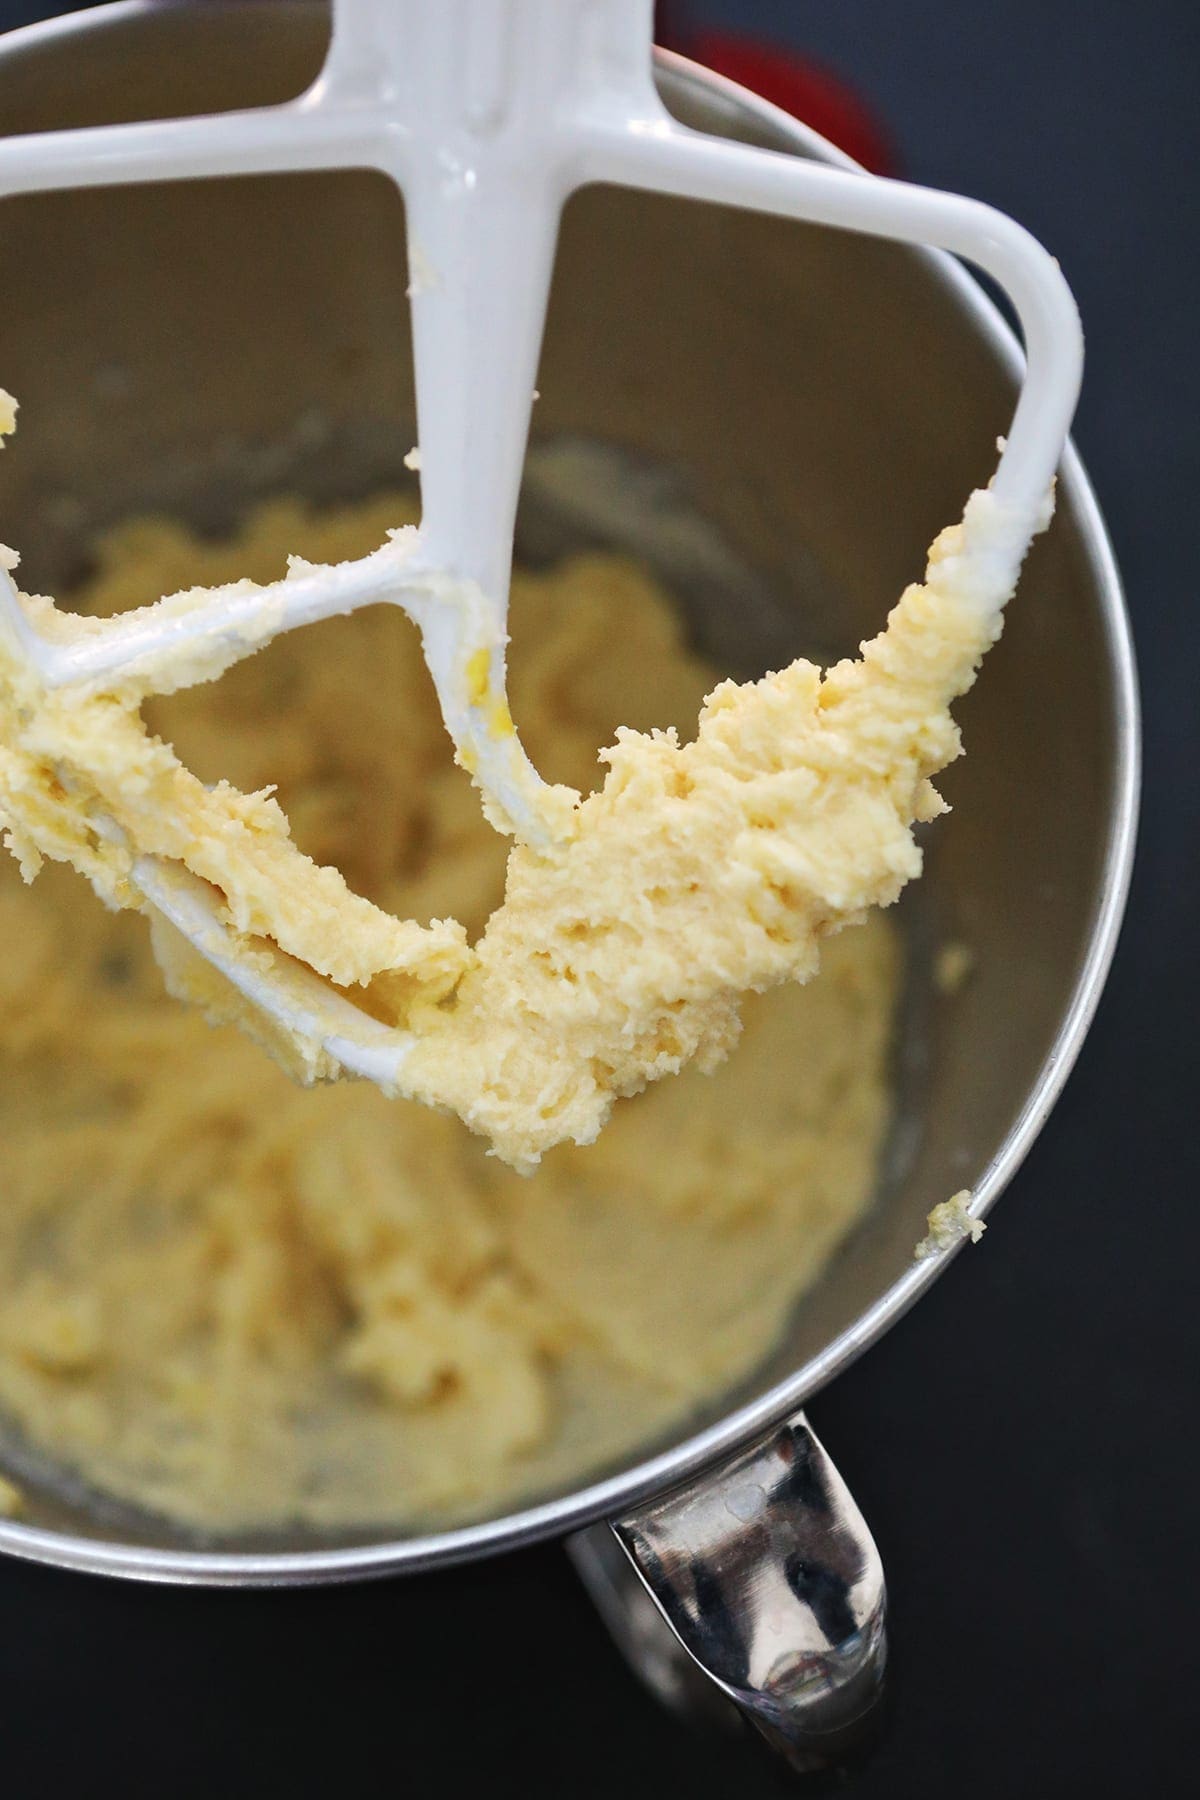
[243, 1303]
[699, 871]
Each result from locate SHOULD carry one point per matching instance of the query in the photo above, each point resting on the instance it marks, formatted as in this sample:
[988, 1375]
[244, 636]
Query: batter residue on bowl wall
[244, 1304]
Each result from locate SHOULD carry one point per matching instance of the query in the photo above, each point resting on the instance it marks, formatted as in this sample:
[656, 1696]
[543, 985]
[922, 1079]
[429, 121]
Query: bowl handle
[759, 1584]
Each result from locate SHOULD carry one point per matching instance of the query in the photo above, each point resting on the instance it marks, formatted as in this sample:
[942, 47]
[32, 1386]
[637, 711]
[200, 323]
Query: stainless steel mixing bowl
[824, 403]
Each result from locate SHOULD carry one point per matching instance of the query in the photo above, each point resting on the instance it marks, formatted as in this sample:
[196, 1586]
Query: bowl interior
[811, 406]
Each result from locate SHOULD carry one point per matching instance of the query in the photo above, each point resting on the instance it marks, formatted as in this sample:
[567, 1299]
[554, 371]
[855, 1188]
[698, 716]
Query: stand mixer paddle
[487, 114]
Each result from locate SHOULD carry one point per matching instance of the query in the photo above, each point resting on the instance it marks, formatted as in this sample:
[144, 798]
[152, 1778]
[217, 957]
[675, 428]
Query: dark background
[1020, 1444]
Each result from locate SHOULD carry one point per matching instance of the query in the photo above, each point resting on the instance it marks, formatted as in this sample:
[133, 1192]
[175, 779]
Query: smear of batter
[700, 871]
[245, 1304]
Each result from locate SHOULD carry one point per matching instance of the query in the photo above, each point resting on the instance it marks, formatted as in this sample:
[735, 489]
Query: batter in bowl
[244, 1304]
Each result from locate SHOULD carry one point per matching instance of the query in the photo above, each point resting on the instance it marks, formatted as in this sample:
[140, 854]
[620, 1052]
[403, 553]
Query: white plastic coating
[304, 1005]
[692, 165]
[487, 114]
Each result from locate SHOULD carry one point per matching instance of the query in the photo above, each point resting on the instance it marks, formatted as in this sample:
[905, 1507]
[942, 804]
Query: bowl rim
[705, 1448]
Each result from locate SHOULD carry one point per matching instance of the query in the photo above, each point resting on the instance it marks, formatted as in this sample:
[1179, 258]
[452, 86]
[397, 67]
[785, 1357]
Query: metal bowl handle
[759, 1585]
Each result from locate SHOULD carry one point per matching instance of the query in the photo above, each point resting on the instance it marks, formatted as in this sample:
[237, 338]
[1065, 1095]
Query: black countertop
[1019, 1442]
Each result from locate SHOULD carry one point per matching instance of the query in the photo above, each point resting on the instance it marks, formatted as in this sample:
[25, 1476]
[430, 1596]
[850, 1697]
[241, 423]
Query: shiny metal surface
[768, 1580]
[641, 1633]
[824, 402]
